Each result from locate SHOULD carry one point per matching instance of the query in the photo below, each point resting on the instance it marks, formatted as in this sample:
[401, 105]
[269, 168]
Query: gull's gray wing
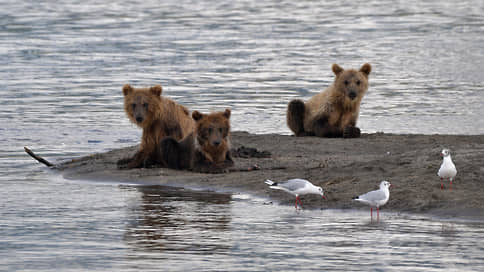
[293, 184]
[373, 196]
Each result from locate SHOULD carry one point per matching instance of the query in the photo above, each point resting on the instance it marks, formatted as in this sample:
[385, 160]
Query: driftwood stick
[39, 159]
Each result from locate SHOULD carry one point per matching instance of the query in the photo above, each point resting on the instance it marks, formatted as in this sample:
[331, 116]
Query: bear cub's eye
[133, 106]
[347, 82]
[358, 82]
[145, 105]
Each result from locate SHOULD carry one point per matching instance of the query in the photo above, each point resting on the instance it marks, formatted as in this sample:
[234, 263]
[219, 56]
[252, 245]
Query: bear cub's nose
[352, 95]
[139, 119]
[216, 143]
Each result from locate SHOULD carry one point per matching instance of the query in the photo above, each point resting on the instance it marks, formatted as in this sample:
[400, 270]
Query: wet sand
[343, 167]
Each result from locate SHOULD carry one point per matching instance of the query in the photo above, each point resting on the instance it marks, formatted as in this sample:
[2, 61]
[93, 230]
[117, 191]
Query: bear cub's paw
[351, 132]
[123, 163]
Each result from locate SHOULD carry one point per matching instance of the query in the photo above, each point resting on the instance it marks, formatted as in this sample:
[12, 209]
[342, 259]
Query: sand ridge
[343, 167]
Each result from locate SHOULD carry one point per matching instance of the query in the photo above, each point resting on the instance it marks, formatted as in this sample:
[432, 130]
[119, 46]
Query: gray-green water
[62, 65]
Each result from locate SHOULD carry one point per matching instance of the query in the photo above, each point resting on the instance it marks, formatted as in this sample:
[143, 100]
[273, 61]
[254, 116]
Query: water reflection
[172, 219]
[448, 230]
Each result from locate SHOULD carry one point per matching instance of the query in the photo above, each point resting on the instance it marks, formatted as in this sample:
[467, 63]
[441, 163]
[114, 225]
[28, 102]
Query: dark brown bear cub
[207, 150]
[334, 111]
[159, 117]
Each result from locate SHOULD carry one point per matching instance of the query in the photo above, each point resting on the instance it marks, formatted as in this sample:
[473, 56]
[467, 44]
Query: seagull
[376, 198]
[297, 187]
[447, 169]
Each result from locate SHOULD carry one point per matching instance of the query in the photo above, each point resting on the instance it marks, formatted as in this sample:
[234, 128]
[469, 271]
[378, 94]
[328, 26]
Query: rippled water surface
[103, 227]
[62, 67]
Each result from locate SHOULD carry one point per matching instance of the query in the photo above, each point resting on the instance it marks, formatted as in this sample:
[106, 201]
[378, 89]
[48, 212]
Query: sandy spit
[343, 167]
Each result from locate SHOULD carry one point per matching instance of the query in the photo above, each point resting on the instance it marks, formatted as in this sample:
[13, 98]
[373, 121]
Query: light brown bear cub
[334, 111]
[159, 117]
[208, 149]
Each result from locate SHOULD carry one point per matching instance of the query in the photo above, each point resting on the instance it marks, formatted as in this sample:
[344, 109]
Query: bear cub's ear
[227, 113]
[127, 89]
[337, 69]
[156, 90]
[366, 69]
[196, 115]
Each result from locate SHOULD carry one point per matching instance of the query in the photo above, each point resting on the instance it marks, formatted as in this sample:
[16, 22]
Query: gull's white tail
[269, 182]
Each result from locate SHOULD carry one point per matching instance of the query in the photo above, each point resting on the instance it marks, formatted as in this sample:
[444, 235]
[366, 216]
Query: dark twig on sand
[39, 159]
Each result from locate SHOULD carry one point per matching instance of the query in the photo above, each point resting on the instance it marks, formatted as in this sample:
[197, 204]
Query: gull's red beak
[324, 197]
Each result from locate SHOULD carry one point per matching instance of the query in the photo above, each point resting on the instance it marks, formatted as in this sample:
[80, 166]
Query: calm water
[62, 65]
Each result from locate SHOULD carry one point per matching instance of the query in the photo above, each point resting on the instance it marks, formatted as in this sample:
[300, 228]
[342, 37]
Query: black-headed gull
[447, 169]
[376, 198]
[296, 187]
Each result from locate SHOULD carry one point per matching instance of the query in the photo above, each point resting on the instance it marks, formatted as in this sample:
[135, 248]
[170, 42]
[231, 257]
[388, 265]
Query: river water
[62, 66]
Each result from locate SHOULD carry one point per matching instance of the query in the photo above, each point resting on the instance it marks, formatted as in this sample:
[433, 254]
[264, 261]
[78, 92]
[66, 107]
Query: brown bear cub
[334, 111]
[207, 151]
[159, 117]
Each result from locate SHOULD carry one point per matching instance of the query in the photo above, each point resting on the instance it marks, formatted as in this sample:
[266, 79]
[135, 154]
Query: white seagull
[296, 187]
[447, 169]
[376, 198]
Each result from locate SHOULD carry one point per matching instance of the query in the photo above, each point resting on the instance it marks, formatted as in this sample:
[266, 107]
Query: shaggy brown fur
[159, 117]
[207, 150]
[334, 111]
